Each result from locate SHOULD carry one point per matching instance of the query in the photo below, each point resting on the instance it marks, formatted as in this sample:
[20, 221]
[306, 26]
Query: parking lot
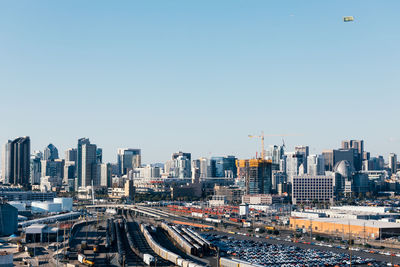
[278, 254]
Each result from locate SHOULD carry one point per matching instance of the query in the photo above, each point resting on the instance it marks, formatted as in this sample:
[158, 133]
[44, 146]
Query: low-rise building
[263, 199]
[233, 194]
[40, 233]
[355, 228]
[218, 201]
[17, 194]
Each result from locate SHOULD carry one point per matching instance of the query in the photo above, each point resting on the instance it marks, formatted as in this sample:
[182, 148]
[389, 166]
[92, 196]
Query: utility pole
[364, 233]
[57, 244]
[350, 244]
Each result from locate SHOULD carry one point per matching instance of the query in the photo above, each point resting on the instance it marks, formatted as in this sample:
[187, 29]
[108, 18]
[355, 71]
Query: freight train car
[182, 242]
[165, 253]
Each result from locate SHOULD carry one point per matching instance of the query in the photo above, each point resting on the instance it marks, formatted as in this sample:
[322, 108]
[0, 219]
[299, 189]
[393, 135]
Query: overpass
[143, 210]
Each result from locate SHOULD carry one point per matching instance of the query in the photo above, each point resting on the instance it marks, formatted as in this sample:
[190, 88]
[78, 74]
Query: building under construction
[257, 174]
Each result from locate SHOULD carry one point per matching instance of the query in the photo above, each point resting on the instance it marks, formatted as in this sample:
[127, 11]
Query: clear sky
[199, 76]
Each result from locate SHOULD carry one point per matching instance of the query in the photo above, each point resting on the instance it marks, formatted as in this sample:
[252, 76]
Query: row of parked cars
[265, 254]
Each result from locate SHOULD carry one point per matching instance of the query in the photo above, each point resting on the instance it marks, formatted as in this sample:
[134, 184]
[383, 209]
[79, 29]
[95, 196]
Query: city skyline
[114, 155]
[159, 77]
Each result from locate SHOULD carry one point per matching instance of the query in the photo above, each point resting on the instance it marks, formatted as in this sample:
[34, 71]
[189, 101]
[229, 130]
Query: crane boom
[262, 136]
[262, 143]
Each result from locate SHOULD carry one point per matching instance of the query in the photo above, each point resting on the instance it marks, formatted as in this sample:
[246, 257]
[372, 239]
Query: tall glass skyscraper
[16, 161]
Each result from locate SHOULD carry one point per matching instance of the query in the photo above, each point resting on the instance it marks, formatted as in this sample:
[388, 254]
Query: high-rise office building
[6, 162]
[99, 155]
[52, 168]
[328, 159]
[16, 160]
[50, 152]
[393, 163]
[257, 174]
[79, 160]
[310, 189]
[71, 154]
[205, 169]
[181, 154]
[69, 172]
[223, 167]
[295, 162]
[358, 146]
[315, 165]
[180, 166]
[89, 165]
[305, 150]
[35, 169]
[128, 159]
[331, 157]
[105, 174]
[275, 153]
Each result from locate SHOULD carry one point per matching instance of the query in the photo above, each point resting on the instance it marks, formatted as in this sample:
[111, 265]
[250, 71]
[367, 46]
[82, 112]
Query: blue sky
[199, 76]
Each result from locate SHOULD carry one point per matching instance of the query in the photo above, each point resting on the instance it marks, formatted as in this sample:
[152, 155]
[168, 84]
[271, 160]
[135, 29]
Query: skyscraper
[304, 151]
[358, 146]
[6, 162]
[79, 160]
[89, 165]
[294, 162]
[183, 154]
[393, 162]
[105, 174]
[16, 160]
[275, 153]
[50, 152]
[328, 159]
[99, 155]
[35, 169]
[223, 166]
[53, 168]
[257, 174]
[128, 159]
[179, 166]
[71, 154]
[315, 165]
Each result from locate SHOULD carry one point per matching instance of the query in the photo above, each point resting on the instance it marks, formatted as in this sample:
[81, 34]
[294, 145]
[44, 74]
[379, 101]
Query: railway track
[126, 255]
[141, 244]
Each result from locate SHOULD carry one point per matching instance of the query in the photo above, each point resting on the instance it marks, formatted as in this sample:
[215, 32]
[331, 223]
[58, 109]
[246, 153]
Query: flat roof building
[356, 228]
[312, 189]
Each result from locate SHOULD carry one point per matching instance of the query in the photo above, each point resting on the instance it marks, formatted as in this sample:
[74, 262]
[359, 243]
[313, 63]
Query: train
[120, 245]
[181, 241]
[165, 253]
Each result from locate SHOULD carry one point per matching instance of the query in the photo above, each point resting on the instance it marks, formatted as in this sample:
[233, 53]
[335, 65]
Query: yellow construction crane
[262, 136]
[262, 143]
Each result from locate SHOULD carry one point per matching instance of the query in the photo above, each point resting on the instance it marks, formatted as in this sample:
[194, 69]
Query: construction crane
[262, 137]
[262, 143]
